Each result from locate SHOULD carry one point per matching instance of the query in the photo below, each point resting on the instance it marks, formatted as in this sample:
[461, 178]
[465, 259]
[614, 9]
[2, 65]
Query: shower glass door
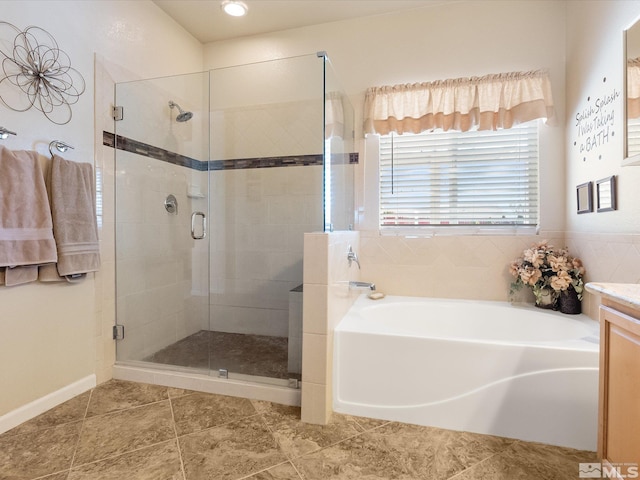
[266, 192]
[218, 177]
[161, 214]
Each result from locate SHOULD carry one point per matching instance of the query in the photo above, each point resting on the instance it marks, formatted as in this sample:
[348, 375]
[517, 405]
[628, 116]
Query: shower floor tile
[236, 352]
[149, 432]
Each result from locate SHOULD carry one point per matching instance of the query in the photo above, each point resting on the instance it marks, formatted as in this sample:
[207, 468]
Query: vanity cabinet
[619, 406]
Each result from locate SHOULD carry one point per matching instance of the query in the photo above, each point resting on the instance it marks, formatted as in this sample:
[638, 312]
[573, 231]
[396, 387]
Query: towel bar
[60, 146]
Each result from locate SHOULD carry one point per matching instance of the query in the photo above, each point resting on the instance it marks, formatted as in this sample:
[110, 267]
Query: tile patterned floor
[238, 353]
[131, 431]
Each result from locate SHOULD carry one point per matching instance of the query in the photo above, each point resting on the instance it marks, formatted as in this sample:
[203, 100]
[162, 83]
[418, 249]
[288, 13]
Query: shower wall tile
[326, 270]
[340, 296]
[316, 258]
[315, 308]
[316, 402]
[162, 332]
[286, 267]
[258, 220]
[269, 294]
[159, 272]
[252, 320]
[133, 345]
[295, 235]
[267, 130]
[130, 196]
[294, 357]
[132, 275]
[316, 347]
[156, 278]
[185, 325]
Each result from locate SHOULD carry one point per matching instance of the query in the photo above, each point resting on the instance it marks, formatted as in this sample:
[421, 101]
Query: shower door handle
[193, 225]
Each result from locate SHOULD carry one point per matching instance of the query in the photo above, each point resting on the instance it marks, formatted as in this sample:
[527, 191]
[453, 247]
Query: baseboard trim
[42, 404]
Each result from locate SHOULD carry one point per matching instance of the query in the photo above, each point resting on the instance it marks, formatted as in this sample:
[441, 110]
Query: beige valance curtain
[633, 88]
[488, 103]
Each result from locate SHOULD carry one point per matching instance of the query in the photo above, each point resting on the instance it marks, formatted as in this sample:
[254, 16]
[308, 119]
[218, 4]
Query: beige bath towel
[73, 206]
[49, 273]
[26, 235]
[19, 275]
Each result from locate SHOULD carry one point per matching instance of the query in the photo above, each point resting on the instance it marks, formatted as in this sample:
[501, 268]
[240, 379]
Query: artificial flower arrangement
[551, 273]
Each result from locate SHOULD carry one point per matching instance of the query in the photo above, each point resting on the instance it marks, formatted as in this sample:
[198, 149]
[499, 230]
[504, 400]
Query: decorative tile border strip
[266, 162]
[140, 148]
[144, 149]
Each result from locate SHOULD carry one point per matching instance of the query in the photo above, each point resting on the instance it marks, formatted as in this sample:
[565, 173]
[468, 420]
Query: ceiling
[206, 21]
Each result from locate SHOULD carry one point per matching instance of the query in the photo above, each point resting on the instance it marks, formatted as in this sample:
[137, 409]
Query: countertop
[624, 293]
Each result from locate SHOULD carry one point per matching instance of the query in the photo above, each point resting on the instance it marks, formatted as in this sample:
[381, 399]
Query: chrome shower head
[182, 116]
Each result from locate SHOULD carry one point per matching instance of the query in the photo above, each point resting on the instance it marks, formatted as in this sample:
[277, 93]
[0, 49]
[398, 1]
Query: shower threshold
[237, 385]
[250, 366]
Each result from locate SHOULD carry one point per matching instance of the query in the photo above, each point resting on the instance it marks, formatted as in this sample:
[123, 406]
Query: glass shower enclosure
[218, 176]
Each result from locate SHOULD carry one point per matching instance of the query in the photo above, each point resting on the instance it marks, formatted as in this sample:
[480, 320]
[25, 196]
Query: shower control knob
[171, 204]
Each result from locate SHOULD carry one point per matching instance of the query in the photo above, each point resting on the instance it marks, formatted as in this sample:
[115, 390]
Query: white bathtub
[485, 367]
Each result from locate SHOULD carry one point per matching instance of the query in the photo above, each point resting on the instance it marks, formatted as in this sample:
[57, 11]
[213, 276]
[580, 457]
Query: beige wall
[595, 52]
[54, 335]
[607, 242]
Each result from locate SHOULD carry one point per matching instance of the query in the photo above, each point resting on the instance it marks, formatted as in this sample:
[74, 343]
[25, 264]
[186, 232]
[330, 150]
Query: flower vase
[545, 298]
[569, 303]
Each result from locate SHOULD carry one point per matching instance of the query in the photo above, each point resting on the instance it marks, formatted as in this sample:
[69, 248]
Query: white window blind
[633, 136]
[449, 179]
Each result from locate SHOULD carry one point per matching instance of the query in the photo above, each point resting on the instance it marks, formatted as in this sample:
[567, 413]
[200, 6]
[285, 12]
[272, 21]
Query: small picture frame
[584, 197]
[606, 194]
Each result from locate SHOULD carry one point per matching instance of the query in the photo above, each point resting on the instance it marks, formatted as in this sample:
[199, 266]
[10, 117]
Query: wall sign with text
[594, 124]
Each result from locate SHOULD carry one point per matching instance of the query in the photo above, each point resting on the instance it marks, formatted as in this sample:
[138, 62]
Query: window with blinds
[452, 179]
[633, 137]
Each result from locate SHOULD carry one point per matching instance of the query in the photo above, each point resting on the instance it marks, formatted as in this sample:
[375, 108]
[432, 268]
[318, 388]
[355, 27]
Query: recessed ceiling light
[234, 8]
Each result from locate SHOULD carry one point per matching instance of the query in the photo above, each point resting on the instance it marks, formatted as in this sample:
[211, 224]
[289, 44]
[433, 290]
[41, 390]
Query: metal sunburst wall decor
[36, 73]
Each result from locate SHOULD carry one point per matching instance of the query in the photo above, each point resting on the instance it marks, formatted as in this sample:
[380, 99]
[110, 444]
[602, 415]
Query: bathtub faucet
[353, 257]
[354, 284]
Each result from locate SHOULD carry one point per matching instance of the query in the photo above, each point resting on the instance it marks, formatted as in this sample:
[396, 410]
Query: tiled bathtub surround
[136, 431]
[458, 267]
[608, 258]
[470, 267]
[441, 266]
